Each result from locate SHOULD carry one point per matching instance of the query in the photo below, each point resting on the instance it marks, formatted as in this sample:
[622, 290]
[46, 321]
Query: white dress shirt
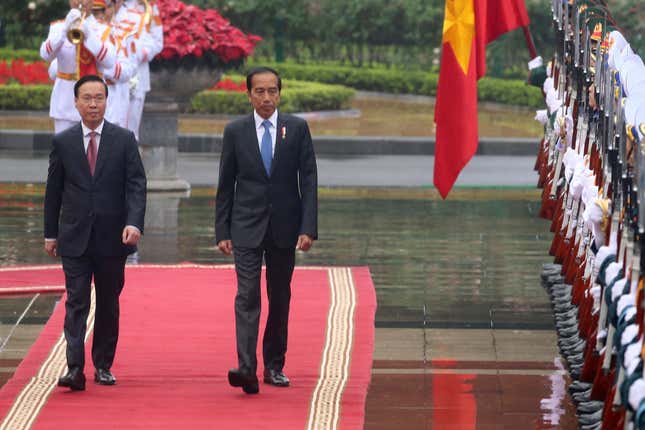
[259, 128]
[86, 135]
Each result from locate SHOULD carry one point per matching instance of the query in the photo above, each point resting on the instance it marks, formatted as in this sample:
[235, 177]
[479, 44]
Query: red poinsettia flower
[191, 31]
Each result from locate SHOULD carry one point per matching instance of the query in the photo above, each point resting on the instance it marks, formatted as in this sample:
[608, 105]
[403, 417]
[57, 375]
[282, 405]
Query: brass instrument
[147, 14]
[75, 34]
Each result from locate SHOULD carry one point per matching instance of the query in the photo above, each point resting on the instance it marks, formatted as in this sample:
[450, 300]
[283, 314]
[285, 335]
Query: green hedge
[399, 81]
[296, 96]
[507, 91]
[383, 80]
[29, 55]
[27, 97]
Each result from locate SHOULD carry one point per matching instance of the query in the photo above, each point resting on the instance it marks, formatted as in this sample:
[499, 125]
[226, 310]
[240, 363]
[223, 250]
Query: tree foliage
[25, 27]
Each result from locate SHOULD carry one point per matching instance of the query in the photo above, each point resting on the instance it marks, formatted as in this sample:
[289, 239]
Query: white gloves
[133, 84]
[72, 16]
[541, 116]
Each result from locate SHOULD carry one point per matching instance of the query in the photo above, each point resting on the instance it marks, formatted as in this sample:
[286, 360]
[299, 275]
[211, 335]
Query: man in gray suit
[266, 207]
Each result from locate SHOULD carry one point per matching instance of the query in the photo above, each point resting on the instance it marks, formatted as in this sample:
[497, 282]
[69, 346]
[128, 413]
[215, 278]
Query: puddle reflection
[466, 261]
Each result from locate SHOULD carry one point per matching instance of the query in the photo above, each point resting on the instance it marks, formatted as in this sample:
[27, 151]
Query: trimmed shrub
[223, 102]
[398, 81]
[27, 97]
[28, 55]
[514, 92]
[296, 96]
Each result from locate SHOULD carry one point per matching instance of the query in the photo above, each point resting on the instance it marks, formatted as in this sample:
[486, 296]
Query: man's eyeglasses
[88, 99]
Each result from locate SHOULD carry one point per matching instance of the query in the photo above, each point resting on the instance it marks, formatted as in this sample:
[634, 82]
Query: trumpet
[75, 34]
[147, 14]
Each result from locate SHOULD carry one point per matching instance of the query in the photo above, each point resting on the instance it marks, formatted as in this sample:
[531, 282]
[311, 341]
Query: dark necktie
[91, 152]
[266, 146]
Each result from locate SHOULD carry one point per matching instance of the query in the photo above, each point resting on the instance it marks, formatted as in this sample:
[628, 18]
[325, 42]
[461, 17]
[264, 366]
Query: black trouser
[109, 278]
[279, 269]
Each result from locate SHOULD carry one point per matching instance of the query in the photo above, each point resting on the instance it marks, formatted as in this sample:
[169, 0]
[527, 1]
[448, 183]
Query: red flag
[468, 26]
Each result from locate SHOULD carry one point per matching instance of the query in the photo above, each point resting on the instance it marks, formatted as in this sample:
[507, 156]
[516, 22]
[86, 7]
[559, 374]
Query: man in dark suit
[266, 206]
[97, 178]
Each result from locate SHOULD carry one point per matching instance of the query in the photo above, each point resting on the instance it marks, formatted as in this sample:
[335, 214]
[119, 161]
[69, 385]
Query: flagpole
[529, 41]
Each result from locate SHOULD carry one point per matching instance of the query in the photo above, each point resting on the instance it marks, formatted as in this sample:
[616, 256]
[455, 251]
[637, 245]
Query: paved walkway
[350, 171]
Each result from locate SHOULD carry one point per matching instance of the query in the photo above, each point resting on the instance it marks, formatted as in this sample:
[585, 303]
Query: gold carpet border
[33, 396]
[325, 405]
[156, 266]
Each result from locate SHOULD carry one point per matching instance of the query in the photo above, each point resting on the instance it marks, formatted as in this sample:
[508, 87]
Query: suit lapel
[280, 139]
[79, 150]
[104, 148]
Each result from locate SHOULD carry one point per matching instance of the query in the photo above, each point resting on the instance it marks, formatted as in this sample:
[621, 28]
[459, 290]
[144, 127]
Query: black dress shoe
[577, 386]
[276, 377]
[104, 377]
[74, 379]
[248, 381]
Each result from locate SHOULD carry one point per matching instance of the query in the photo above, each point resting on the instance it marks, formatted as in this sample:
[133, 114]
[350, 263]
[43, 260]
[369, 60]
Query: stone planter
[180, 84]
[172, 89]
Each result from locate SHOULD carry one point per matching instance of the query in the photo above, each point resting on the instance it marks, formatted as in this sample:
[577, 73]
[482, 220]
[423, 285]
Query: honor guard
[145, 16]
[592, 168]
[79, 50]
[118, 76]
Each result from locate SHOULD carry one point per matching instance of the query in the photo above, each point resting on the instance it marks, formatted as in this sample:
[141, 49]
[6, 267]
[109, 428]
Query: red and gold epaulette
[604, 45]
[597, 32]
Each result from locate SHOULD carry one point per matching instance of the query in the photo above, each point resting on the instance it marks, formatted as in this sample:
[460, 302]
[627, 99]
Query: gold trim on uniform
[66, 76]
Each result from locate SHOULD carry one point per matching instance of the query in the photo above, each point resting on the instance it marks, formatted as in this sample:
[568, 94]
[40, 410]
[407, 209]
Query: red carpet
[177, 343]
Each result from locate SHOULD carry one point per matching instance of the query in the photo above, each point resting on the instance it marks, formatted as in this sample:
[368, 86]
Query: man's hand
[50, 248]
[131, 235]
[225, 246]
[304, 242]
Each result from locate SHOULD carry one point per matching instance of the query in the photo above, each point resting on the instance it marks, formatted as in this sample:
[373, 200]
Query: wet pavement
[201, 169]
[464, 333]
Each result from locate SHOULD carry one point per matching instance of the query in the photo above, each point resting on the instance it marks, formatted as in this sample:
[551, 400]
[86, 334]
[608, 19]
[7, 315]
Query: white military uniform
[72, 66]
[154, 45]
[118, 78]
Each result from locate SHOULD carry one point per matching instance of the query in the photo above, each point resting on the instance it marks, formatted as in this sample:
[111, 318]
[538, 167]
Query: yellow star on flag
[459, 29]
